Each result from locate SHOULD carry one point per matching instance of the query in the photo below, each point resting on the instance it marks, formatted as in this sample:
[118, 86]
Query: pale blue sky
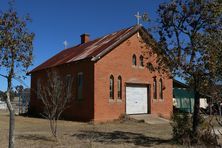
[55, 21]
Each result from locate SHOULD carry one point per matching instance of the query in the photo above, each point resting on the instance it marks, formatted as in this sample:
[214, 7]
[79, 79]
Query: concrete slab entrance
[150, 119]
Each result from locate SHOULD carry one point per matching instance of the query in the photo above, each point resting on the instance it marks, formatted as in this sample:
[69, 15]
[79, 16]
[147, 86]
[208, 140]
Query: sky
[54, 21]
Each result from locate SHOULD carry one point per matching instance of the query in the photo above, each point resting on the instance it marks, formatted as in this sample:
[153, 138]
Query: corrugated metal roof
[92, 49]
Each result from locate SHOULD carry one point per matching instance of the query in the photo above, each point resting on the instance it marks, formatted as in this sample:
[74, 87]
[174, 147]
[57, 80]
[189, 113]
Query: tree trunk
[196, 114]
[12, 115]
[210, 106]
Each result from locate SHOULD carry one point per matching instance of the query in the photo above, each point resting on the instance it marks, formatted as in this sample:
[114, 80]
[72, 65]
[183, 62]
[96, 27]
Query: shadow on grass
[117, 137]
[35, 137]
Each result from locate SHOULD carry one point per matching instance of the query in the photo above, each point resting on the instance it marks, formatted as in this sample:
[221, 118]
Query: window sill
[161, 100]
[119, 100]
[111, 100]
[155, 100]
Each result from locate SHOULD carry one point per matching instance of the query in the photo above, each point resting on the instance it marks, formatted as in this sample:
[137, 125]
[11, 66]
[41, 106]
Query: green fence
[184, 99]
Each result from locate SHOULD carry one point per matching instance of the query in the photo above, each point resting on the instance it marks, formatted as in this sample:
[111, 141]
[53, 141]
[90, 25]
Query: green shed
[183, 98]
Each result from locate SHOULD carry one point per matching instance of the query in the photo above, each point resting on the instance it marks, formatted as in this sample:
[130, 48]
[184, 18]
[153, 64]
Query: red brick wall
[119, 62]
[77, 109]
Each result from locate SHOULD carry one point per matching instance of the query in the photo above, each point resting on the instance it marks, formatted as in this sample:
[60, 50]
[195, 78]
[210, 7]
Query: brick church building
[110, 78]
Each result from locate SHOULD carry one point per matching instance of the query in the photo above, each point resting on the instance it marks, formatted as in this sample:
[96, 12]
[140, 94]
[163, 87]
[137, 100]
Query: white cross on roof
[138, 17]
[65, 44]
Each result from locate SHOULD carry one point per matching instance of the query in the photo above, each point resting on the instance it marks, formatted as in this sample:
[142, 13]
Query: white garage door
[136, 99]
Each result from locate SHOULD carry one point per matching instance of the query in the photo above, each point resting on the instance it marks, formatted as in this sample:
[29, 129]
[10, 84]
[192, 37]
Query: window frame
[161, 88]
[38, 89]
[68, 80]
[154, 89]
[134, 62]
[141, 61]
[111, 87]
[119, 88]
[79, 92]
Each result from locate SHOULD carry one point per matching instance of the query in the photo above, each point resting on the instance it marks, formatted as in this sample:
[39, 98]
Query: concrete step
[150, 119]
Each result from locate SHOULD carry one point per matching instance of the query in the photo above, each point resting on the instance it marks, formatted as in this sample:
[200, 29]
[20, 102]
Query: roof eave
[37, 70]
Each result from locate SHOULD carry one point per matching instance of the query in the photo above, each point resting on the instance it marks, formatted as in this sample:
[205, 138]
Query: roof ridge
[78, 45]
[91, 49]
[104, 36]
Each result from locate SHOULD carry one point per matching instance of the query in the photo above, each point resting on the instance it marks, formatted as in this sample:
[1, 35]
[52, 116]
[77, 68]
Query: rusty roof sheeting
[92, 49]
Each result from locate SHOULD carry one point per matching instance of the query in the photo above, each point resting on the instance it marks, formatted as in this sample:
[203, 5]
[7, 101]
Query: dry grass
[34, 133]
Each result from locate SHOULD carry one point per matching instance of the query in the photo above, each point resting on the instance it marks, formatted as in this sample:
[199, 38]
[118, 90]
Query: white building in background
[3, 105]
[203, 103]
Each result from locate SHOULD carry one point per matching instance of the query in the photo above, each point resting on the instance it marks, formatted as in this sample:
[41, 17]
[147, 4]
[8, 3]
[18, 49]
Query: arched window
[161, 89]
[119, 87]
[154, 89]
[141, 61]
[38, 89]
[134, 60]
[111, 87]
[80, 85]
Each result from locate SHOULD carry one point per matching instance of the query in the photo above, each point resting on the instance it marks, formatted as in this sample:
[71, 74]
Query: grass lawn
[35, 133]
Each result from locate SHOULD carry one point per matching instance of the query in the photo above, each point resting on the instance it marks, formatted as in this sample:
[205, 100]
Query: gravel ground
[35, 133]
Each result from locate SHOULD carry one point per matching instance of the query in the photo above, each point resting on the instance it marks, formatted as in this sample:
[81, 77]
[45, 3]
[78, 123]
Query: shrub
[206, 132]
[182, 131]
[182, 128]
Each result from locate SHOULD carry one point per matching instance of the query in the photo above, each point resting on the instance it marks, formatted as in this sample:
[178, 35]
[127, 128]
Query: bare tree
[55, 95]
